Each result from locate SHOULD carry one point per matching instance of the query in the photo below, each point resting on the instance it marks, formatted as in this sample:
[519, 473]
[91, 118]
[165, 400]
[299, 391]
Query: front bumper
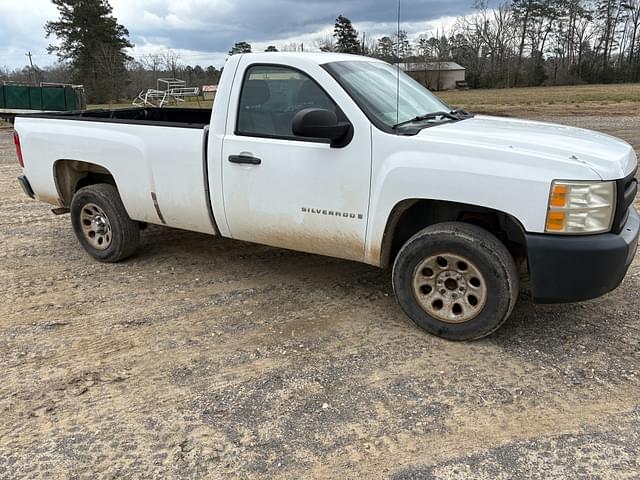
[26, 186]
[566, 269]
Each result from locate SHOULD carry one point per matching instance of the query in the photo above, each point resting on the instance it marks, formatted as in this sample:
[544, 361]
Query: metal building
[437, 75]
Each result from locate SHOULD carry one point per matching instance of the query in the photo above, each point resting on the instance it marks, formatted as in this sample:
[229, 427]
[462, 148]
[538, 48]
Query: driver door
[286, 191]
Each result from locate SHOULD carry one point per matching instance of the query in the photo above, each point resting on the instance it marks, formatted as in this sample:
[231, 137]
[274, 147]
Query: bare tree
[171, 61]
[293, 47]
[153, 61]
[633, 28]
[326, 43]
[109, 61]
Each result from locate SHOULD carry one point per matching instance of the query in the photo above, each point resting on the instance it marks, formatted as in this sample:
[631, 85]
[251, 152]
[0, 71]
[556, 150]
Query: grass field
[569, 100]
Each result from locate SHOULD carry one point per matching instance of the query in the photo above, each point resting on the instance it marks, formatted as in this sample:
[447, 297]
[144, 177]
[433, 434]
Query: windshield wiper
[463, 112]
[454, 115]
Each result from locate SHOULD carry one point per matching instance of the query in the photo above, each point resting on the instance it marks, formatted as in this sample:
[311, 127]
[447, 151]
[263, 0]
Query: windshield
[374, 87]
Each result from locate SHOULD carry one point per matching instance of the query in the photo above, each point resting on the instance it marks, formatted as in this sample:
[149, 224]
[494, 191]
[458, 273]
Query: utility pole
[31, 64]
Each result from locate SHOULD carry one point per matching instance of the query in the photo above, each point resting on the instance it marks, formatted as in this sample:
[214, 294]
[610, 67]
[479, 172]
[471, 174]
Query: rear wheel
[456, 281]
[102, 225]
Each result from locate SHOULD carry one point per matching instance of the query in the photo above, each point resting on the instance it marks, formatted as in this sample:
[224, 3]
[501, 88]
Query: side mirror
[319, 123]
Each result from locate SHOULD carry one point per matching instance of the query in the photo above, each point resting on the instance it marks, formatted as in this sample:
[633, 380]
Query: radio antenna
[398, 69]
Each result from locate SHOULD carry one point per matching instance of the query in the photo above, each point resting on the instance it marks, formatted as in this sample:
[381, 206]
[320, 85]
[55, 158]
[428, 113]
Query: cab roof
[320, 58]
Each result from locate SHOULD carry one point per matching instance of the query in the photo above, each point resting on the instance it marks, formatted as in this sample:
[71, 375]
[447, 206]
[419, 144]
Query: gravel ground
[204, 357]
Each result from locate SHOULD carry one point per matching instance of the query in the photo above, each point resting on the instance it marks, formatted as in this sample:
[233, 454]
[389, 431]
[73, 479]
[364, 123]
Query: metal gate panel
[71, 99]
[35, 98]
[53, 98]
[16, 97]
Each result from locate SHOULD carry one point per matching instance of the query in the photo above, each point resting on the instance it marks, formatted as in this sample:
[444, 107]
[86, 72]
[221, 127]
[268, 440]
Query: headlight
[581, 207]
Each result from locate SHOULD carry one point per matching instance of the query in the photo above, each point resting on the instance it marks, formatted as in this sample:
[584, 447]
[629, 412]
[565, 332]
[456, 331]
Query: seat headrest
[256, 92]
[309, 92]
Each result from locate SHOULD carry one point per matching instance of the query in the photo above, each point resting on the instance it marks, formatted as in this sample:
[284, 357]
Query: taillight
[16, 140]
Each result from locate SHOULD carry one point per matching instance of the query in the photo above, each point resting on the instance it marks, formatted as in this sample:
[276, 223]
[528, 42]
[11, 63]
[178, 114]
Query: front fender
[437, 168]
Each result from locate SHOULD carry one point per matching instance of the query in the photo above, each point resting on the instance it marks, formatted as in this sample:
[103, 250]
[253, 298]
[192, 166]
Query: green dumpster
[1, 96]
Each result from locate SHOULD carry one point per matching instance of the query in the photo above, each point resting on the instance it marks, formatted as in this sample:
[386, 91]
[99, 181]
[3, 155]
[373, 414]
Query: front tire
[456, 281]
[101, 224]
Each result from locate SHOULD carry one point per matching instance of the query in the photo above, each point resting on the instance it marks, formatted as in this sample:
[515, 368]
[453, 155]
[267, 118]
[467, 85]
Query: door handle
[245, 159]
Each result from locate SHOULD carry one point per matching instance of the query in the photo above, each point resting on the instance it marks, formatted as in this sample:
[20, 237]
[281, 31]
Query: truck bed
[167, 117]
[155, 156]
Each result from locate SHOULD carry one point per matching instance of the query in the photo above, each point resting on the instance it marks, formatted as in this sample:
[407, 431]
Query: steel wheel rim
[96, 227]
[450, 288]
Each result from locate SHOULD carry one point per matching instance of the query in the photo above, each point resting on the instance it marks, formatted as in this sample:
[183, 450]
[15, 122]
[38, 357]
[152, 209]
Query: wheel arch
[72, 175]
[410, 216]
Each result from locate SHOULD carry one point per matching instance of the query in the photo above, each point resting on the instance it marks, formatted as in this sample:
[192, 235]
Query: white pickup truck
[319, 153]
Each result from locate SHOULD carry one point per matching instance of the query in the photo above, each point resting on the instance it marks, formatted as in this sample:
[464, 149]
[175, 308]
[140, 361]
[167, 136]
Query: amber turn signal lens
[555, 221]
[559, 195]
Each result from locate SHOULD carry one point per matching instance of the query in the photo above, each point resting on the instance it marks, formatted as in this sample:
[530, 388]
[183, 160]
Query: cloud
[204, 30]
[22, 30]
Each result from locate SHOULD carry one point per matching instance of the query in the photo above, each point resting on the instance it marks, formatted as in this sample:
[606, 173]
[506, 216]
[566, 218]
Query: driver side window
[271, 96]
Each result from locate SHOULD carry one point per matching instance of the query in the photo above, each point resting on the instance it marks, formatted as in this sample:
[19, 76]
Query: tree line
[519, 43]
[137, 75]
[533, 42]
[93, 51]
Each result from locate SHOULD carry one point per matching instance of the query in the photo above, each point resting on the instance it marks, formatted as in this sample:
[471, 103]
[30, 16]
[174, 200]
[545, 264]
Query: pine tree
[346, 36]
[94, 44]
[402, 46]
[240, 47]
[385, 49]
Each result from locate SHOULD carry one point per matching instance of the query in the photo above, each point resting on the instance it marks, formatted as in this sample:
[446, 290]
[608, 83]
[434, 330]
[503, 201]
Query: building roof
[431, 67]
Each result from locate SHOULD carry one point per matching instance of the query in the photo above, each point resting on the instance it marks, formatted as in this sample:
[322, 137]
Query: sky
[203, 31]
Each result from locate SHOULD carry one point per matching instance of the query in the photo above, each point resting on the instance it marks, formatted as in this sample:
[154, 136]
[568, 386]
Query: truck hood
[610, 157]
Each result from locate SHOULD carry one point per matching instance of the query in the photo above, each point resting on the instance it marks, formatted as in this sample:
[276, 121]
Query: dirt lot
[203, 357]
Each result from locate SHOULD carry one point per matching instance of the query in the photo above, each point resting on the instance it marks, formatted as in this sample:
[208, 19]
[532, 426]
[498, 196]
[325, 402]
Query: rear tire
[456, 281]
[101, 224]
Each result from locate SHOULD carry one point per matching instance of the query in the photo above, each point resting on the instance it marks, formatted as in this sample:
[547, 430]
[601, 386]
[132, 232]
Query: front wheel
[102, 225]
[456, 281]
